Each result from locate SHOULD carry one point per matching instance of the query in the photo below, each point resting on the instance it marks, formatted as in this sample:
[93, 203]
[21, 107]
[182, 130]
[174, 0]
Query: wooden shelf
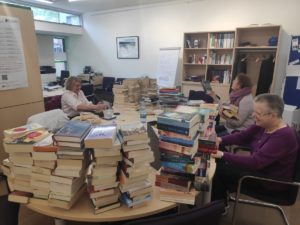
[221, 49]
[257, 47]
[190, 82]
[194, 64]
[219, 64]
[195, 49]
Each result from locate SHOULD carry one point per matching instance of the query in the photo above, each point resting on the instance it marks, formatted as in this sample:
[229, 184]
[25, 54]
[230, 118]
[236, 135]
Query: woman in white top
[74, 101]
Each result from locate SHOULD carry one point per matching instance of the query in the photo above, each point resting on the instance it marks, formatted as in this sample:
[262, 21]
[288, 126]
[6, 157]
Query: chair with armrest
[208, 214]
[53, 103]
[267, 198]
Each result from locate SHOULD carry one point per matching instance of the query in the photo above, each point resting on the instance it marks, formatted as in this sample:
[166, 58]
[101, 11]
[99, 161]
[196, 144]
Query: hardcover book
[72, 131]
[22, 130]
[101, 136]
[180, 119]
[134, 131]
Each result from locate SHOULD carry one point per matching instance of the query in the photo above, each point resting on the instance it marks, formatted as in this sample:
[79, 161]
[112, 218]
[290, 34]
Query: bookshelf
[207, 56]
[215, 56]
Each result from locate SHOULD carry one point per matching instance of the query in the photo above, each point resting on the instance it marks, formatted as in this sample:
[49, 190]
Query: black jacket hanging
[265, 76]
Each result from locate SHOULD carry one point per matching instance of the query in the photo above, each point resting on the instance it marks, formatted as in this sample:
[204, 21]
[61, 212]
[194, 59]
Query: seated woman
[273, 151]
[240, 96]
[74, 101]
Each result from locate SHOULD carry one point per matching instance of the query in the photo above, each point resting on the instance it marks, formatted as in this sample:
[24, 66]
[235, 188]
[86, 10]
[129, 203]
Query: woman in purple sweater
[273, 151]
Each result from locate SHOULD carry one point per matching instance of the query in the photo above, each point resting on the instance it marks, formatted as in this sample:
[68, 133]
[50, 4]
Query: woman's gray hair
[71, 81]
[274, 102]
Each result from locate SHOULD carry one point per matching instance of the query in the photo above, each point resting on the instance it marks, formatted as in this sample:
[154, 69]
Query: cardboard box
[291, 115]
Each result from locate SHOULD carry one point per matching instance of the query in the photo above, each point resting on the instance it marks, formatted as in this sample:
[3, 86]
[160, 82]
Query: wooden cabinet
[220, 55]
[208, 56]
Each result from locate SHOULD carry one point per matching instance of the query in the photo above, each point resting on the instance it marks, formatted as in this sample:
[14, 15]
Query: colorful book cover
[180, 119]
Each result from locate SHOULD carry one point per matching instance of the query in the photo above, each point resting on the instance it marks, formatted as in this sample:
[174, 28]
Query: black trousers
[9, 211]
[226, 180]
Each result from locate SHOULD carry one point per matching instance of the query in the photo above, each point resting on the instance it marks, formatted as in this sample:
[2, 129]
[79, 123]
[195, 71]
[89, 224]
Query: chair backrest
[53, 103]
[108, 83]
[294, 190]
[208, 214]
[64, 74]
[200, 95]
[88, 90]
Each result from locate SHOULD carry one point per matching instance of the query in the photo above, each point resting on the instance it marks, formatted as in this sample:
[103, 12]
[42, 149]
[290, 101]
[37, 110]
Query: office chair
[267, 198]
[64, 74]
[88, 90]
[53, 103]
[208, 214]
[105, 93]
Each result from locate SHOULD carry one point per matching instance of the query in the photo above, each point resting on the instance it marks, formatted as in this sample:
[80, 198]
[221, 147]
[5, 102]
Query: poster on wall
[293, 67]
[13, 72]
[167, 67]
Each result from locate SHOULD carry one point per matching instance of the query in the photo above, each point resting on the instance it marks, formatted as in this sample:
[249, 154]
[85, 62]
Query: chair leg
[257, 203]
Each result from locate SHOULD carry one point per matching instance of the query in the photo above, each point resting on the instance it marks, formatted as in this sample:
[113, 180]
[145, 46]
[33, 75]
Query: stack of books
[18, 143]
[68, 178]
[206, 145]
[102, 183]
[44, 160]
[170, 96]
[135, 168]
[178, 145]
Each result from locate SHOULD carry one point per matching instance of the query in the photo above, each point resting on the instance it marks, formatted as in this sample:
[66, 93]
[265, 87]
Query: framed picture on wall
[128, 47]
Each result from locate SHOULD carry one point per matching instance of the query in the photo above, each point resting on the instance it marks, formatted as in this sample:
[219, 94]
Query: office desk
[49, 94]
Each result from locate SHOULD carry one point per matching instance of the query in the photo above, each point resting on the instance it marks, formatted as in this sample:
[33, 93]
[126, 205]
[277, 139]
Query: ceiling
[85, 6]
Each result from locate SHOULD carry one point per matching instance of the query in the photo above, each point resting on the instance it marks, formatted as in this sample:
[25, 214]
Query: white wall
[163, 26]
[45, 50]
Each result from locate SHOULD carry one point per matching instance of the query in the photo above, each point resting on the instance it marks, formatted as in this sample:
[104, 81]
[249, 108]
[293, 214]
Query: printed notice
[13, 72]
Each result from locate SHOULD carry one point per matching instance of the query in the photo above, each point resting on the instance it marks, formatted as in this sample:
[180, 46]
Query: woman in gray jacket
[240, 96]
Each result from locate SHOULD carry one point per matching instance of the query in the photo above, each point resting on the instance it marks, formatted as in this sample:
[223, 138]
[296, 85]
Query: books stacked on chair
[178, 145]
[121, 98]
[18, 143]
[67, 182]
[102, 182]
[135, 168]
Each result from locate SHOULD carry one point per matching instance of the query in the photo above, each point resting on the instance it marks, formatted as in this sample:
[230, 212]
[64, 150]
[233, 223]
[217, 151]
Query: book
[175, 140]
[178, 148]
[45, 145]
[179, 119]
[127, 148]
[22, 130]
[133, 131]
[72, 131]
[178, 196]
[179, 130]
[105, 200]
[230, 111]
[206, 86]
[108, 160]
[103, 136]
[44, 156]
[130, 203]
[108, 207]
[19, 197]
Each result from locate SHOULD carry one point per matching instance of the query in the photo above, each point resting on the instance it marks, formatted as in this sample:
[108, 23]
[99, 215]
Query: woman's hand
[218, 155]
[101, 106]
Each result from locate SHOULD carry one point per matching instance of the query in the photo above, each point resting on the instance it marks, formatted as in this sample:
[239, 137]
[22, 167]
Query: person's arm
[240, 138]
[245, 110]
[276, 147]
[90, 107]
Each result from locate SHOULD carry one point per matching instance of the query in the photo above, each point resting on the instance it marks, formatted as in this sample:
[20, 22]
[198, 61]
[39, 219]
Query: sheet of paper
[13, 72]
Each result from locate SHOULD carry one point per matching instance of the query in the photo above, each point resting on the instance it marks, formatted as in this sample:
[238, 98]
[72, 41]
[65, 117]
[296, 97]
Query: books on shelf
[72, 131]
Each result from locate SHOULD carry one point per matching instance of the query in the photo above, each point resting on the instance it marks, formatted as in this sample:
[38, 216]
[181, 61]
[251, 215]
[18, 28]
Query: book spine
[181, 167]
[179, 130]
[170, 180]
[171, 186]
[175, 135]
[176, 159]
[175, 148]
[177, 141]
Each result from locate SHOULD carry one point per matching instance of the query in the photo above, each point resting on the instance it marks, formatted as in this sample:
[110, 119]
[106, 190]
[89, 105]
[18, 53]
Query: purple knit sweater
[271, 154]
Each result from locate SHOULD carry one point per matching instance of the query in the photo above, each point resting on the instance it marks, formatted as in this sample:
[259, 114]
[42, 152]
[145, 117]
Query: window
[55, 16]
[60, 55]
